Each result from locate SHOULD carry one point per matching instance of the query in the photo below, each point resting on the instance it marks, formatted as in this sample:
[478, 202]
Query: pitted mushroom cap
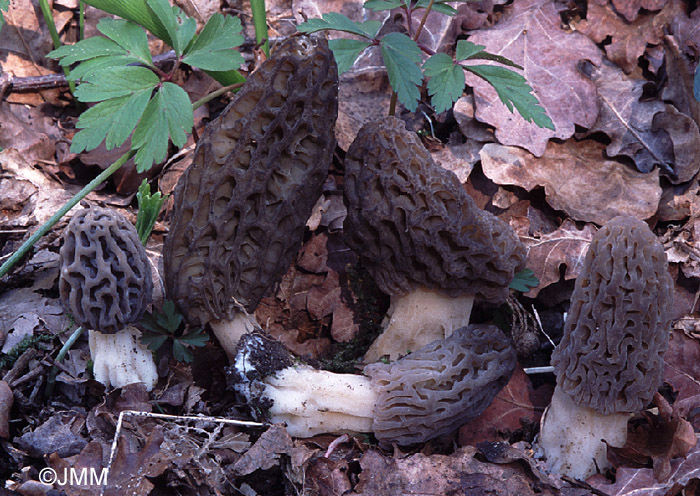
[616, 333]
[414, 225]
[443, 385]
[240, 209]
[105, 276]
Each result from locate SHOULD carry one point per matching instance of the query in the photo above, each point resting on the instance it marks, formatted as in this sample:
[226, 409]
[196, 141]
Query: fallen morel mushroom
[423, 395]
[240, 209]
[422, 238]
[609, 362]
[106, 284]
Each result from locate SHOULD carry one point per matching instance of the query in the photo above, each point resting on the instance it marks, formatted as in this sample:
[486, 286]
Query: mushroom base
[120, 359]
[571, 436]
[417, 319]
[312, 401]
[229, 332]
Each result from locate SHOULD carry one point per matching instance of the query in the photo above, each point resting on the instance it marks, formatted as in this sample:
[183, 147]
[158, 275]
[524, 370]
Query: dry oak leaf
[577, 178]
[630, 8]
[682, 370]
[628, 121]
[641, 481]
[565, 246]
[530, 34]
[685, 142]
[460, 473]
[629, 40]
[518, 401]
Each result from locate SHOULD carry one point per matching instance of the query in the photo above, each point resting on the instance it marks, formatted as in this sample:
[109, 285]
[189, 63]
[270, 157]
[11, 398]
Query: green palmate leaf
[168, 115]
[179, 27]
[213, 48]
[446, 81]
[149, 207]
[116, 82]
[438, 6]
[153, 340]
[136, 11]
[346, 52]
[339, 22]
[131, 37]
[379, 5]
[402, 57]
[181, 353]
[4, 6]
[467, 50]
[513, 90]
[524, 281]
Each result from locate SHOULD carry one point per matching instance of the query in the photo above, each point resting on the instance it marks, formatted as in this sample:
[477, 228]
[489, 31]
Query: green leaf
[438, 6]
[379, 5]
[524, 281]
[196, 337]
[213, 48]
[90, 48]
[4, 6]
[179, 27]
[339, 22]
[153, 341]
[149, 207]
[446, 82]
[346, 52]
[136, 11]
[168, 115]
[181, 353]
[131, 37]
[513, 90]
[118, 81]
[467, 50]
[402, 58]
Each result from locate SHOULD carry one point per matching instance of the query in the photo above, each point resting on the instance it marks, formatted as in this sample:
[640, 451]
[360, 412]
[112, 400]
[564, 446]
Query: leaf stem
[48, 19]
[214, 94]
[27, 245]
[51, 381]
[422, 21]
[260, 23]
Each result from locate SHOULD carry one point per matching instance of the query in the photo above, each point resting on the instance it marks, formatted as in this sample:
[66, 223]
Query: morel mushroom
[240, 209]
[106, 284]
[422, 238]
[609, 362]
[423, 395]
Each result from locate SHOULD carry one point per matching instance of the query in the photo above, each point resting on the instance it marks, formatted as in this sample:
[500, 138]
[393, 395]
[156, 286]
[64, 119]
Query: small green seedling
[524, 281]
[402, 57]
[164, 325]
[149, 207]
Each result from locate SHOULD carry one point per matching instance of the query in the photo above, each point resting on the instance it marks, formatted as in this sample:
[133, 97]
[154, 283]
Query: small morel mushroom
[425, 394]
[609, 362]
[106, 284]
[422, 238]
[240, 209]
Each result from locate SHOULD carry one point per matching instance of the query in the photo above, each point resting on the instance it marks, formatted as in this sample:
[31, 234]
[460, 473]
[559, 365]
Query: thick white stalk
[417, 319]
[571, 436]
[312, 401]
[229, 332]
[120, 359]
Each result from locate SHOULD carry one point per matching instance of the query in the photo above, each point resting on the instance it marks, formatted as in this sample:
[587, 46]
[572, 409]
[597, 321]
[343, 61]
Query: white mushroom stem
[417, 319]
[571, 436]
[312, 401]
[229, 332]
[120, 359]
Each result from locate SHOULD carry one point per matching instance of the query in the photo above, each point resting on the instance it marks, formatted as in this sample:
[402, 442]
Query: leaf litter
[616, 78]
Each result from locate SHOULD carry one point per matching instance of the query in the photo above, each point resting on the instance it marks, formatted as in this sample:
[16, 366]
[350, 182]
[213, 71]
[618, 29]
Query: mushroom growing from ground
[106, 284]
[422, 238]
[609, 362]
[240, 209]
[425, 394]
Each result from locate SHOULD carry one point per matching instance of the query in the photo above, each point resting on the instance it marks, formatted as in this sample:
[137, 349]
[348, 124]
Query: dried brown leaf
[641, 481]
[266, 451]
[460, 473]
[629, 40]
[628, 121]
[685, 138]
[565, 246]
[682, 371]
[519, 402]
[530, 34]
[131, 468]
[577, 178]
[88, 462]
[6, 400]
[630, 8]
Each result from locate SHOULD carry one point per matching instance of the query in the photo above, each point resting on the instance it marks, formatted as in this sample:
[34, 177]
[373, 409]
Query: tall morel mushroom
[105, 282]
[425, 394]
[609, 362]
[422, 238]
[240, 209]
